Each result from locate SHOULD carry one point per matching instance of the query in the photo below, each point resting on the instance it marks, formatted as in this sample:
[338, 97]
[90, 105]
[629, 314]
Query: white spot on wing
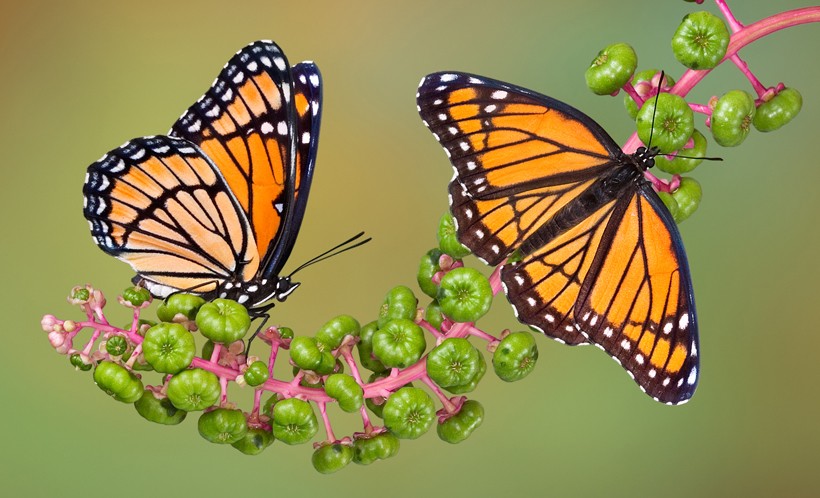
[499, 95]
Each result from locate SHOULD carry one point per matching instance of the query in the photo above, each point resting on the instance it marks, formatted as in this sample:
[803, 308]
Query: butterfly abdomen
[603, 191]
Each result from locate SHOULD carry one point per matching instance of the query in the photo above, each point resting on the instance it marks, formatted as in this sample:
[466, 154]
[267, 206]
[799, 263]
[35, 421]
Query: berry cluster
[391, 353]
[664, 119]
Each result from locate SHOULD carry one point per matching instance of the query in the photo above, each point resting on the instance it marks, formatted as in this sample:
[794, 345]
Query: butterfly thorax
[613, 184]
[257, 291]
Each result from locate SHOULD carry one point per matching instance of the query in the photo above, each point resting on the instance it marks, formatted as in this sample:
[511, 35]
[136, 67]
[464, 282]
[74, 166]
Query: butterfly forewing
[244, 123]
[160, 205]
[513, 170]
[638, 303]
[307, 102]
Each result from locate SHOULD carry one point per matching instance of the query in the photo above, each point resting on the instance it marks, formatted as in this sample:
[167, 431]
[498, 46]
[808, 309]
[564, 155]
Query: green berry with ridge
[777, 111]
[118, 382]
[667, 125]
[223, 321]
[611, 68]
[158, 410]
[409, 413]
[460, 426]
[515, 356]
[448, 238]
[169, 347]
[465, 295]
[701, 40]
[732, 118]
[332, 457]
[223, 426]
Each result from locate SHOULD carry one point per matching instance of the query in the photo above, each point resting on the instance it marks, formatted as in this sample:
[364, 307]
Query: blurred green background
[80, 78]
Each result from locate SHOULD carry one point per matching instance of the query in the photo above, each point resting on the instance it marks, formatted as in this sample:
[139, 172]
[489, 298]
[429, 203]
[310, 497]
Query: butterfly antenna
[655, 111]
[652, 130]
[334, 251]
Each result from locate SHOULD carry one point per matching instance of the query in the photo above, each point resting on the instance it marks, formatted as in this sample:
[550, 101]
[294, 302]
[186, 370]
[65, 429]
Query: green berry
[194, 390]
[409, 413]
[307, 355]
[732, 118]
[256, 374]
[136, 296]
[344, 389]
[118, 382]
[399, 344]
[670, 203]
[169, 347]
[458, 427]
[670, 124]
[515, 356]
[208, 349]
[686, 164]
[368, 449]
[223, 321]
[641, 77]
[184, 304]
[80, 294]
[254, 441]
[365, 347]
[285, 332]
[223, 426]
[472, 383]
[700, 41]
[400, 302]
[158, 410]
[465, 295]
[448, 239]
[79, 363]
[116, 345]
[611, 69]
[454, 362]
[294, 421]
[428, 267]
[433, 314]
[332, 457]
[778, 111]
[332, 332]
[687, 196]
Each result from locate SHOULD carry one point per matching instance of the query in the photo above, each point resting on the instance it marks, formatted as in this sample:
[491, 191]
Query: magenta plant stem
[734, 24]
[739, 39]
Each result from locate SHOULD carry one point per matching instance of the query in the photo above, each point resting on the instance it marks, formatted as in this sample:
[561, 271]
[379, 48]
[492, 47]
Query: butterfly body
[215, 206]
[590, 254]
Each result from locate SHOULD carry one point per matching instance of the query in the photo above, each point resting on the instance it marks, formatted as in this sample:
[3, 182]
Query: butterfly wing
[518, 156]
[636, 301]
[253, 124]
[307, 83]
[159, 204]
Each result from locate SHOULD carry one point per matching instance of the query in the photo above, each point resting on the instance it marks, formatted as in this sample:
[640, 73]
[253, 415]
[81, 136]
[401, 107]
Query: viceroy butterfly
[592, 254]
[215, 206]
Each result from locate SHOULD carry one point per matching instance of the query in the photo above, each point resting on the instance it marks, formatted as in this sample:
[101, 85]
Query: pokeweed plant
[387, 382]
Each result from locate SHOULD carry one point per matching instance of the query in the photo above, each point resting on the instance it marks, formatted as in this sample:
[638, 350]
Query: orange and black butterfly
[592, 254]
[215, 206]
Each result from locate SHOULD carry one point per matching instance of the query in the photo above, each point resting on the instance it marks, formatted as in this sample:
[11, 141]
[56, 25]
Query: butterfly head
[645, 157]
[284, 287]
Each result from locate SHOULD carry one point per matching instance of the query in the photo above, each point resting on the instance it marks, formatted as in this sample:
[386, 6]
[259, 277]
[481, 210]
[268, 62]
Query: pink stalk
[328, 429]
[472, 330]
[429, 328]
[450, 407]
[744, 36]
[734, 25]
[744, 68]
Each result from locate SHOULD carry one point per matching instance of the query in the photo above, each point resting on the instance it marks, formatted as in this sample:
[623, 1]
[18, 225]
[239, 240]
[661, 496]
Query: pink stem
[328, 429]
[472, 330]
[429, 328]
[215, 354]
[740, 39]
[274, 349]
[368, 427]
[257, 402]
[734, 24]
[744, 68]
[223, 384]
[630, 90]
[450, 407]
[703, 109]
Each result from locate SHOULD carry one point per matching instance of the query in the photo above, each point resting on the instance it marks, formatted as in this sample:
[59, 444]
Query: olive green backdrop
[79, 78]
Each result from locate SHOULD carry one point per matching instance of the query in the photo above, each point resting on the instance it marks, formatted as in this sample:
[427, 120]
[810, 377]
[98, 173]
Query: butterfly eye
[641, 151]
[649, 162]
[284, 287]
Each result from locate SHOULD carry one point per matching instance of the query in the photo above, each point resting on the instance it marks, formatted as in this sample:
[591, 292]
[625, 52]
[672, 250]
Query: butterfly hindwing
[637, 302]
[518, 156]
[160, 205]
